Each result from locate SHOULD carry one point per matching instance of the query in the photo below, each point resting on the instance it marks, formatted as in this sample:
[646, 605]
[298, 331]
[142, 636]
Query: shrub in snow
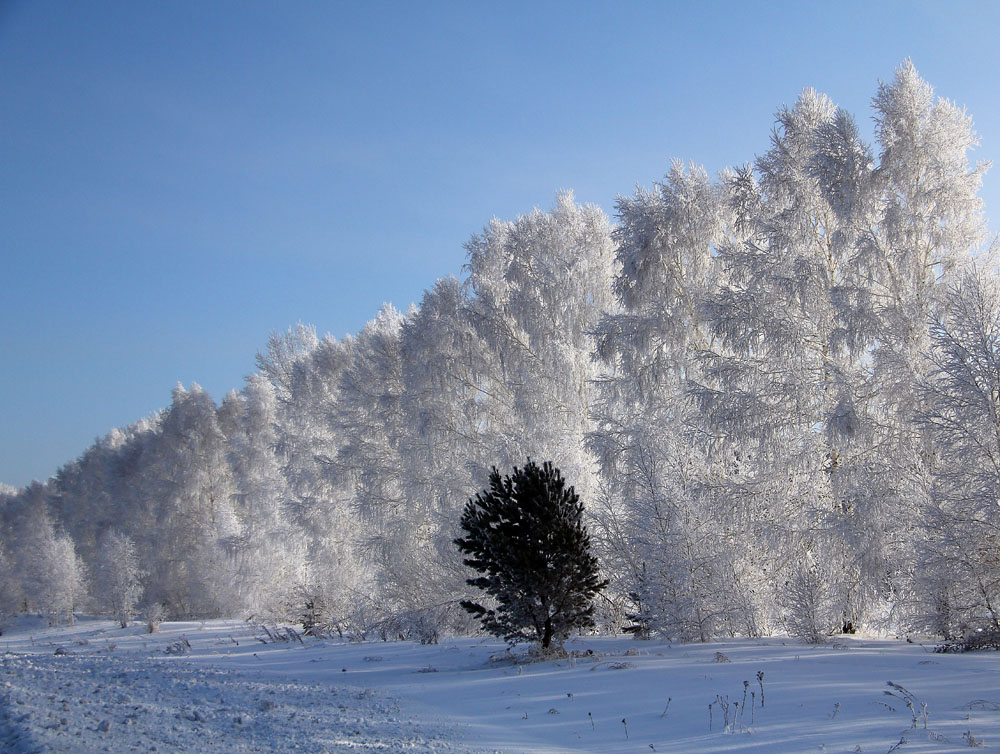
[118, 576]
[313, 619]
[988, 639]
[810, 614]
[525, 535]
[10, 596]
[155, 612]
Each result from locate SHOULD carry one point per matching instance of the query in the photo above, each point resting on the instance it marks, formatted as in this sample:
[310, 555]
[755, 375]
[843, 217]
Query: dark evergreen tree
[525, 535]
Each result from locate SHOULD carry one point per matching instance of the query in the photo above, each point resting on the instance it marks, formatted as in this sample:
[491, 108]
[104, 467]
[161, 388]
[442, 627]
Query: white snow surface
[119, 690]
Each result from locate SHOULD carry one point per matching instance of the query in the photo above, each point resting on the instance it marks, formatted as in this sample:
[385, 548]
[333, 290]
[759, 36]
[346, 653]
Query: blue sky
[179, 179]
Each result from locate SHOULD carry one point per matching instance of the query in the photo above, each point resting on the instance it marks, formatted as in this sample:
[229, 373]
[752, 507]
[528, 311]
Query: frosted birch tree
[930, 220]
[662, 542]
[52, 576]
[190, 570]
[538, 286]
[370, 425]
[958, 573]
[450, 414]
[10, 588]
[786, 385]
[118, 578]
[268, 552]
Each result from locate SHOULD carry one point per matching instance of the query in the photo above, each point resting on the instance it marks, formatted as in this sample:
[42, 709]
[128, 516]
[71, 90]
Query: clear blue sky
[179, 179]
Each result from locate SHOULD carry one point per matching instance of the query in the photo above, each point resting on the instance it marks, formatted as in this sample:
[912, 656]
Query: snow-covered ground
[221, 689]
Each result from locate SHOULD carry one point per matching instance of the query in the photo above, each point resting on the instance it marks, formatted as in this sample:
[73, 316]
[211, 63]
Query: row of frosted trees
[778, 392]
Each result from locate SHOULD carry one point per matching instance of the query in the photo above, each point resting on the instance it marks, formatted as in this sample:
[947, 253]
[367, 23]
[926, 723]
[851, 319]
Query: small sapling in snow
[669, 699]
[625, 723]
[760, 680]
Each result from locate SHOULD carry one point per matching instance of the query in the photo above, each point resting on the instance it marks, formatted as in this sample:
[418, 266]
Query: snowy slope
[229, 691]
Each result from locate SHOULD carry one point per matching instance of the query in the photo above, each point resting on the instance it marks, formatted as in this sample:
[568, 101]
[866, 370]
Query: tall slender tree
[958, 577]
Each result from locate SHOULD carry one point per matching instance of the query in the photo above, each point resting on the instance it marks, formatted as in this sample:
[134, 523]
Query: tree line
[776, 390]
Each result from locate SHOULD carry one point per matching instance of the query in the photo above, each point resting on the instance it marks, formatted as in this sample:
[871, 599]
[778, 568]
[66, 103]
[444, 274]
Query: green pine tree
[525, 536]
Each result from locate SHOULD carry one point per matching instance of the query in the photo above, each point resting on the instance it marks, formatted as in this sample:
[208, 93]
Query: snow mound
[92, 703]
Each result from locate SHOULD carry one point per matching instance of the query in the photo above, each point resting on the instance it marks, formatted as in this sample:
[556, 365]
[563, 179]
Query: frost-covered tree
[661, 540]
[822, 327]
[785, 374]
[958, 573]
[526, 536]
[118, 577]
[10, 588]
[929, 220]
[370, 415]
[63, 582]
[283, 357]
[306, 373]
[370, 424]
[269, 556]
[54, 581]
[50, 577]
[538, 286]
[451, 419]
[189, 478]
[126, 470]
[791, 300]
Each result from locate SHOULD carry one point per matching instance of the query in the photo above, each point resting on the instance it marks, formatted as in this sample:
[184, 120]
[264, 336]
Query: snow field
[107, 704]
[91, 699]
[229, 691]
